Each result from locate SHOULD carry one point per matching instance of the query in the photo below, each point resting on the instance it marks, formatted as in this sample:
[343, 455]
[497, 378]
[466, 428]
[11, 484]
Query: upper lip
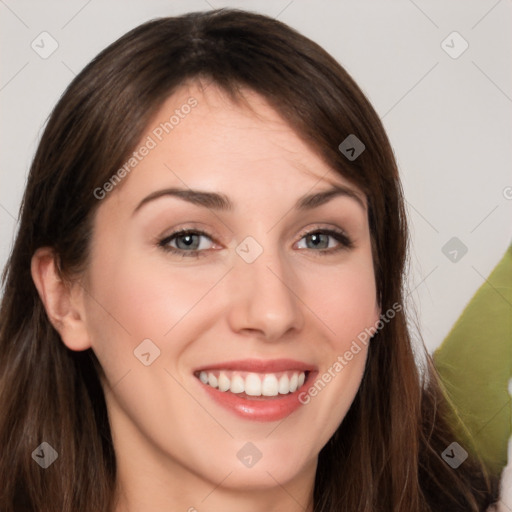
[259, 365]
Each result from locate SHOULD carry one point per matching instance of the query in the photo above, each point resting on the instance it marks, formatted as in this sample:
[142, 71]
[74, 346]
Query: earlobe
[63, 301]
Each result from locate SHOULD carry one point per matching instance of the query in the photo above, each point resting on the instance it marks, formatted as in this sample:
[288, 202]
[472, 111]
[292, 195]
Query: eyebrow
[219, 201]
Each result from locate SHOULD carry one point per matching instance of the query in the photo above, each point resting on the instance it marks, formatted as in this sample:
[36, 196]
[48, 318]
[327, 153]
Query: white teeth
[284, 385]
[237, 384]
[224, 382]
[212, 380]
[269, 385]
[293, 382]
[254, 384]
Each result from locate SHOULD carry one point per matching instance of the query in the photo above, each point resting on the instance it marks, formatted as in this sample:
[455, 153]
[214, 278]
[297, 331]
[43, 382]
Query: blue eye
[188, 242]
[321, 239]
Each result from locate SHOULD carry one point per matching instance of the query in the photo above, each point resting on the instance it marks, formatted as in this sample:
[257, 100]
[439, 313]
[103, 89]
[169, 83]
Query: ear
[62, 300]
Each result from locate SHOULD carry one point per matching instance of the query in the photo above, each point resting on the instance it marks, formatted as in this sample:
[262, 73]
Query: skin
[176, 449]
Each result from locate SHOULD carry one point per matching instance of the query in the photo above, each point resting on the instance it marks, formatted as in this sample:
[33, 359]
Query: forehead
[201, 138]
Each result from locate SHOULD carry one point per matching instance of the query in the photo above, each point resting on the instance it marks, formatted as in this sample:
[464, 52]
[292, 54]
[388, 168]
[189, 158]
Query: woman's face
[258, 293]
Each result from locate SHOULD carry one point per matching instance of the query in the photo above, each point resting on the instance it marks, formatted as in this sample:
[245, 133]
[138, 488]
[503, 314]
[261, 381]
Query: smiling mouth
[252, 385]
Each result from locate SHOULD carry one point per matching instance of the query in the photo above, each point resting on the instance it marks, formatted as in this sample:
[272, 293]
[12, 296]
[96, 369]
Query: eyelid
[324, 228]
[194, 228]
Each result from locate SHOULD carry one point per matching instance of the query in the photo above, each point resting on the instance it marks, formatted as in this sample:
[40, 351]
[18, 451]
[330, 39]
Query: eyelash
[344, 242]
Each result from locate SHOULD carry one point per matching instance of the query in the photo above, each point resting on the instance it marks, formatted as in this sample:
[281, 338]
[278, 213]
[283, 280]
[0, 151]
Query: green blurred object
[475, 365]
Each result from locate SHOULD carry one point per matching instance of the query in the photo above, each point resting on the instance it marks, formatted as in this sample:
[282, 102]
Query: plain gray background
[448, 116]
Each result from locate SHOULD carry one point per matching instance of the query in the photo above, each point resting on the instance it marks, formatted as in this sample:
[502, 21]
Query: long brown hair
[386, 454]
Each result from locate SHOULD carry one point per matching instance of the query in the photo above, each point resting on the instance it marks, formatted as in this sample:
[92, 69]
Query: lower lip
[259, 408]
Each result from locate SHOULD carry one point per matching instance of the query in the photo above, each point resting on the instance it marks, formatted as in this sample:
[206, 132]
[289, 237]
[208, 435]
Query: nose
[264, 299]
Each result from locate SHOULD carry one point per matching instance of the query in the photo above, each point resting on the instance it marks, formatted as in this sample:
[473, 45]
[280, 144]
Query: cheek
[346, 305]
[132, 299]
[344, 299]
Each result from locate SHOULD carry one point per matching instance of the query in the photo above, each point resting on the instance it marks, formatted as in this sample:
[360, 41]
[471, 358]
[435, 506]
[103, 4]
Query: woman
[203, 309]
